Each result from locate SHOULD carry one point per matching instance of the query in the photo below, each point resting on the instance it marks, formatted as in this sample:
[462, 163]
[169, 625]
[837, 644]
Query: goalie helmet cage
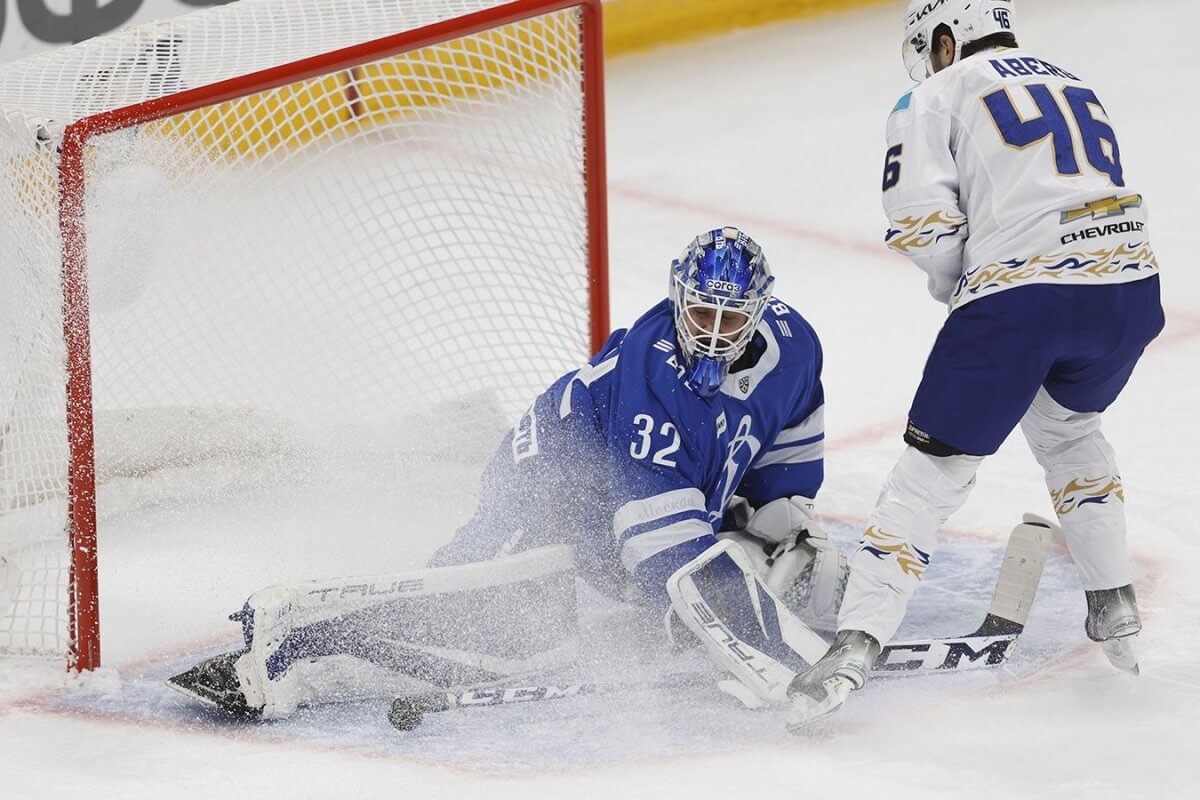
[495, 112]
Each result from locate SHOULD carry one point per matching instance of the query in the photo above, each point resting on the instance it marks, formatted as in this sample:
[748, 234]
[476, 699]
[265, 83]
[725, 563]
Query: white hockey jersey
[1003, 170]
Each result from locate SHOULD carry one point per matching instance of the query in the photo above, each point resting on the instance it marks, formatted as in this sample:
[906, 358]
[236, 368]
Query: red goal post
[73, 170]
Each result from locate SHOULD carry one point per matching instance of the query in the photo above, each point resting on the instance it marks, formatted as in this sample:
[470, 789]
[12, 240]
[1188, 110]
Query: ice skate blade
[806, 711]
[1121, 654]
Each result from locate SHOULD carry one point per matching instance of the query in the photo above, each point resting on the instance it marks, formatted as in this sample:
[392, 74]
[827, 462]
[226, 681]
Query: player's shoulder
[914, 104]
[903, 105]
[647, 372]
[935, 94]
[797, 339]
[646, 366]
[954, 91]
[783, 364]
[939, 92]
[652, 335]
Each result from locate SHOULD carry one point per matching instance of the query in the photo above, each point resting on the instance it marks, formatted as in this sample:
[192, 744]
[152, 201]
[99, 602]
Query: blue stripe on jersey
[801, 443]
[654, 525]
[903, 103]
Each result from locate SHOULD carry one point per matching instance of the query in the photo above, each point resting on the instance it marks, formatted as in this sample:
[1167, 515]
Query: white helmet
[968, 20]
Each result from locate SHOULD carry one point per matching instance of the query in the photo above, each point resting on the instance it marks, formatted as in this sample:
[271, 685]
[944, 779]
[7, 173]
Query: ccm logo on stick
[978, 652]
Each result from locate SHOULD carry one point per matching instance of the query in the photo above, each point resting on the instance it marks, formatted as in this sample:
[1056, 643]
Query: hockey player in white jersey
[1003, 182]
[703, 419]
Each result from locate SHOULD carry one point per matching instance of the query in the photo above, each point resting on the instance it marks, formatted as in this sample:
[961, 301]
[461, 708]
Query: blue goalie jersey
[623, 461]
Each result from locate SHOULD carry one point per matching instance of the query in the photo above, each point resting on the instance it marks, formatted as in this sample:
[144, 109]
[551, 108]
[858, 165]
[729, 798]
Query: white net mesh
[339, 253]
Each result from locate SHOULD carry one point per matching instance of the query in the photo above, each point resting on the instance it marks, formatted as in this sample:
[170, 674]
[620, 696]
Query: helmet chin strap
[707, 376]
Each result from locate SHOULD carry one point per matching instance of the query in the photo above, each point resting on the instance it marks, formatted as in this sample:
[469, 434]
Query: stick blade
[1020, 574]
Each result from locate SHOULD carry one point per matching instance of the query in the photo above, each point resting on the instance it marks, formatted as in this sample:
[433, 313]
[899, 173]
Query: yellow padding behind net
[433, 78]
[519, 54]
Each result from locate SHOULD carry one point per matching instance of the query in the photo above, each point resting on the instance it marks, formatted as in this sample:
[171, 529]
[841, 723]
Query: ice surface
[778, 131]
[626, 644]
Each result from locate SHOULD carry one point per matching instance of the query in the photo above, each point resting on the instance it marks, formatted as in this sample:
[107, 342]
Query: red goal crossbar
[83, 590]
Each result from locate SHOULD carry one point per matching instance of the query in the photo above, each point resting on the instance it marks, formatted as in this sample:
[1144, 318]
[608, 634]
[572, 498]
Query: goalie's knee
[745, 629]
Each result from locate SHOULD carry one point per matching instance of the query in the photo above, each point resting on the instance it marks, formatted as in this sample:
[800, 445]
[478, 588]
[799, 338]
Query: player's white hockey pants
[923, 490]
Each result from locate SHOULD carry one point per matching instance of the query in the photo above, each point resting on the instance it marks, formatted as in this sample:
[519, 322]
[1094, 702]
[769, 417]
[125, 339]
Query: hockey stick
[407, 712]
[990, 645]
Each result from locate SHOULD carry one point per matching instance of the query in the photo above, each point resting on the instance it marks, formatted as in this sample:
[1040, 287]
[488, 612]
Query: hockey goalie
[677, 470]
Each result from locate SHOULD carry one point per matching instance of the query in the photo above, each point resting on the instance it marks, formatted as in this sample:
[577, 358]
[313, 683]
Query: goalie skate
[214, 683]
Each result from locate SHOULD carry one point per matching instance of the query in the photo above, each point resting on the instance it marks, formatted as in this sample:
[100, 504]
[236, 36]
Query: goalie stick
[407, 712]
[989, 646]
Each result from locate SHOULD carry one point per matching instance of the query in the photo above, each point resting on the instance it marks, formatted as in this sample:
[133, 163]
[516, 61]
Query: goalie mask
[720, 287]
[968, 21]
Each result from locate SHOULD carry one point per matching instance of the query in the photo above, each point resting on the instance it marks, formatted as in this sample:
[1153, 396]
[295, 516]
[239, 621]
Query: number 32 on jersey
[657, 445]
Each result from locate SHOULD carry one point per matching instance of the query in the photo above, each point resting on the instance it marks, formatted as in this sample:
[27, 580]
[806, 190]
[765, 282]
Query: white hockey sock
[1085, 487]
[900, 539]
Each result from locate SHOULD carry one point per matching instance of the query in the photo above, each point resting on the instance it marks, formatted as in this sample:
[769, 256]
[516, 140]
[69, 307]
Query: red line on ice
[756, 222]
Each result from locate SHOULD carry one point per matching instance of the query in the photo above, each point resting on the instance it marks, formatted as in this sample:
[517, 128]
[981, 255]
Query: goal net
[280, 231]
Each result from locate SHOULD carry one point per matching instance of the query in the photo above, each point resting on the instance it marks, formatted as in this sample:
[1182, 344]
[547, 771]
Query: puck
[404, 716]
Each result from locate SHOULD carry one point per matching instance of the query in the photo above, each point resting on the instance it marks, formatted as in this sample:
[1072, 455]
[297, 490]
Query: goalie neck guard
[968, 21]
[720, 288]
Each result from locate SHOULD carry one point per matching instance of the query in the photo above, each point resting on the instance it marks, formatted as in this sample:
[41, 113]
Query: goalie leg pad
[745, 629]
[439, 628]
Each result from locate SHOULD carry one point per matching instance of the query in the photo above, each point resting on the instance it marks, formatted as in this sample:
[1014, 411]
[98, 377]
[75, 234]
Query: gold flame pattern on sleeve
[917, 233]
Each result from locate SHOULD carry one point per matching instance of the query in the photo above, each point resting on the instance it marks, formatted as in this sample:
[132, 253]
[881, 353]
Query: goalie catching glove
[795, 558]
